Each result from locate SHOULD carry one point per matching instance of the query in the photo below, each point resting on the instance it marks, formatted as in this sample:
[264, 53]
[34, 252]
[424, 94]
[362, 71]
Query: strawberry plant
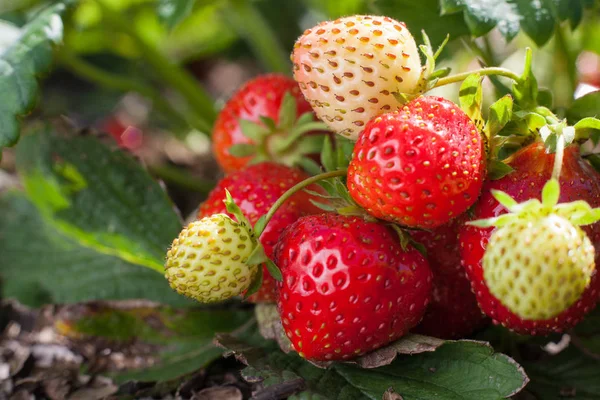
[380, 199]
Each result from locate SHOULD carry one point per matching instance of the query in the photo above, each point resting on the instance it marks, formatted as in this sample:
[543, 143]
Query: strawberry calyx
[257, 256]
[429, 75]
[539, 262]
[578, 212]
[285, 141]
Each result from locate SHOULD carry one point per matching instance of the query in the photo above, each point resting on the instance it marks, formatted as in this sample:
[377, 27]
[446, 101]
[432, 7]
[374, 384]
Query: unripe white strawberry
[209, 260]
[348, 69]
[538, 267]
[538, 262]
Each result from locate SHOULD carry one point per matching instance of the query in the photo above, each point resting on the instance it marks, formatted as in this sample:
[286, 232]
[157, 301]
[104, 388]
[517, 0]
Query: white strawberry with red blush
[349, 69]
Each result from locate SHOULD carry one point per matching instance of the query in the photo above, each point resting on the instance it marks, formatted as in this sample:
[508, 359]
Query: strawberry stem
[558, 158]
[291, 191]
[483, 72]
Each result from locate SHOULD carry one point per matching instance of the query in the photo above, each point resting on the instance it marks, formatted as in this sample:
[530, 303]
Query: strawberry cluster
[396, 242]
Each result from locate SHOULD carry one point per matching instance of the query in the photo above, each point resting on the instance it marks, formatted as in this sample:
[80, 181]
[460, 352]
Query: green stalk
[177, 77]
[482, 71]
[291, 191]
[104, 78]
[251, 25]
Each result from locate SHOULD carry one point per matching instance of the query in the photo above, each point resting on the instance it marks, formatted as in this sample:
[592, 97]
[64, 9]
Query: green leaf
[171, 12]
[41, 265]
[525, 91]
[455, 371]
[537, 19]
[101, 198]
[20, 65]
[422, 15]
[567, 375]
[500, 114]
[471, 96]
[181, 340]
[588, 123]
[585, 106]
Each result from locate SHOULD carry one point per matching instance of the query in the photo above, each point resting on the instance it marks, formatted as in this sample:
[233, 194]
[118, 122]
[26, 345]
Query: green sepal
[504, 199]
[322, 206]
[578, 212]
[327, 159]
[440, 73]
[551, 193]
[257, 256]
[498, 169]
[296, 133]
[269, 123]
[311, 144]
[259, 226]
[233, 208]
[471, 98]
[429, 72]
[287, 111]
[255, 284]
[309, 165]
[242, 150]
[321, 195]
[253, 131]
[404, 237]
[274, 271]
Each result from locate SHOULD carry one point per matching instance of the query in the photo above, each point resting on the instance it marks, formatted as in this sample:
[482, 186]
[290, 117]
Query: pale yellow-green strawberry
[209, 260]
[538, 262]
[538, 267]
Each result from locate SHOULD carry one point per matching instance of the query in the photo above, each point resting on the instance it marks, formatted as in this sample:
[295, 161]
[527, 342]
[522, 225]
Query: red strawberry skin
[453, 312]
[532, 169]
[261, 96]
[254, 189]
[420, 166]
[348, 286]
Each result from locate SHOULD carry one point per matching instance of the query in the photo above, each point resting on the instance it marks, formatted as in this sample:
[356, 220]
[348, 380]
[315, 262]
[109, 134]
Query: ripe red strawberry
[420, 167]
[453, 311]
[348, 69]
[260, 98]
[348, 286]
[254, 189]
[532, 169]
